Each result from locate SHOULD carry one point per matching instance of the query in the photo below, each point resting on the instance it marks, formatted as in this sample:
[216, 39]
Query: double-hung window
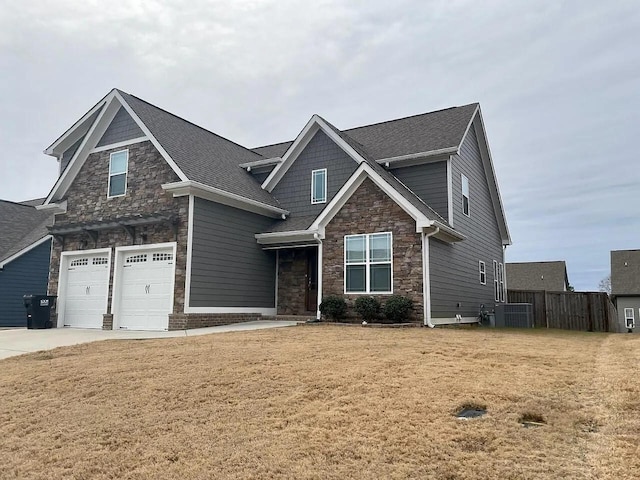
[501, 279]
[496, 282]
[482, 269]
[368, 263]
[319, 186]
[629, 318]
[118, 164]
[465, 195]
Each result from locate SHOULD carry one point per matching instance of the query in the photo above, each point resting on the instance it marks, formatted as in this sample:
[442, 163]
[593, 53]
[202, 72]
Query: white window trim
[126, 174]
[464, 178]
[367, 263]
[313, 177]
[496, 284]
[482, 270]
[630, 317]
[501, 279]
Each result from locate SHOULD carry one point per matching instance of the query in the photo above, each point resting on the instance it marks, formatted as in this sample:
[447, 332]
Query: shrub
[397, 308]
[367, 307]
[333, 307]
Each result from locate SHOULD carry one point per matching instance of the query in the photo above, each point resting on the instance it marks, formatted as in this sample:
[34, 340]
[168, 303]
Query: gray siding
[294, 189]
[429, 182]
[260, 177]
[628, 302]
[68, 155]
[121, 129]
[228, 267]
[454, 268]
[27, 275]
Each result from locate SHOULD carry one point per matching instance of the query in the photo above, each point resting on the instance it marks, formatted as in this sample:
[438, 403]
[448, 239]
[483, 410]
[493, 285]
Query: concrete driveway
[20, 340]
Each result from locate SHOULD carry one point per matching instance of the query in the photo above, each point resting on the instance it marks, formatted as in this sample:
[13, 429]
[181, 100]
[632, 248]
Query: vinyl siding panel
[294, 189]
[228, 267]
[26, 275]
[121, 129]
[454, 268]
[68, 155]
[260, 177]
[628, 302]
[429, 182]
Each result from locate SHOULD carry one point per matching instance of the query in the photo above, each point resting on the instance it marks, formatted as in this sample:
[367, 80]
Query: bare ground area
[324, 402]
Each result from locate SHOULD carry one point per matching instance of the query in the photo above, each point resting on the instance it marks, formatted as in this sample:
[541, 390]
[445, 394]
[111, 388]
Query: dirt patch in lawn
[325, 403]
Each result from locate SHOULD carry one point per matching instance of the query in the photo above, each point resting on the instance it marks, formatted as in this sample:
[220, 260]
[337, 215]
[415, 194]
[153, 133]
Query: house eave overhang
[418, 158]
[444, 232]
[283, 238]
[266, 162]
[55, 208]
[207, 192]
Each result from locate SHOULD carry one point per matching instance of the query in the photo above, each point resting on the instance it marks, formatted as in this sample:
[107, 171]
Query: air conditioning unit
[515, 315]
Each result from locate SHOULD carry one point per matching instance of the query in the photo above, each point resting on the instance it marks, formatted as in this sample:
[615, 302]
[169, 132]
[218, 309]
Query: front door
[312, 280]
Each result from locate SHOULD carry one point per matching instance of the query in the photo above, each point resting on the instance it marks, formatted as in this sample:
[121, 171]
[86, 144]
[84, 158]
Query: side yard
[325, 402]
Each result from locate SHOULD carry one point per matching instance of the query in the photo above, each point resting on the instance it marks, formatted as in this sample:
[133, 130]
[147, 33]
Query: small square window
[319, 186]
[118, 165]
[465, 195]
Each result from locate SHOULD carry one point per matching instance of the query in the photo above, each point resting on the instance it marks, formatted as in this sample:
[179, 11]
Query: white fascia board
[119, 144]
[349, 188]
[55, 208]
[261, 163]
[417, 158]
[200, 190]
[304, 137]
[153, 139]
[490, 173]
[280, 237]
[90, 140]
[51, 148]
[25, 250]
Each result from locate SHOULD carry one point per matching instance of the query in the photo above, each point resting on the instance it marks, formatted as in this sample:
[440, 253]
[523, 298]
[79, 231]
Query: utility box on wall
[514, 315]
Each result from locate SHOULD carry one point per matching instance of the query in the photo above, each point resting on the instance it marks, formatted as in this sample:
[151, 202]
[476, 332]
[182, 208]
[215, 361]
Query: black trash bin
[39, 310]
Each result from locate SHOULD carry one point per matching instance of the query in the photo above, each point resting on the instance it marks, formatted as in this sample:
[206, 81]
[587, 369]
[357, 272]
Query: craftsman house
[625, 288]
[25, 248]
[161, 224]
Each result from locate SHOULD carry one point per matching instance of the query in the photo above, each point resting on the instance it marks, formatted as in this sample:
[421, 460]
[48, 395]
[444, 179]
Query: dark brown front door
[312, 280]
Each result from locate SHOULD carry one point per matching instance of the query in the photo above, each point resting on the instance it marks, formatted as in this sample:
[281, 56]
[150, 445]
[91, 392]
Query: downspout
[319, 240]
[426, 285]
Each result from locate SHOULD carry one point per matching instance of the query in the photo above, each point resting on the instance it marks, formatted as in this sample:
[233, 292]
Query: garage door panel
[146, 292]
[85, 290]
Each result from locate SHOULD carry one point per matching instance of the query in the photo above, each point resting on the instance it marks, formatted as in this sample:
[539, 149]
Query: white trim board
[187, 280]
[119, 144]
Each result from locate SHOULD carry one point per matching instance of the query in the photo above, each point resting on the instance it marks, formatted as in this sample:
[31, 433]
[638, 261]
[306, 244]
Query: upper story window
[118, 164]
[465, 195]
[368, 263]
[319, 186]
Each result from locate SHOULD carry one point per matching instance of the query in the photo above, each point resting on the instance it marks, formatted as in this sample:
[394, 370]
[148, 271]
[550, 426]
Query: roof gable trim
[297, 147]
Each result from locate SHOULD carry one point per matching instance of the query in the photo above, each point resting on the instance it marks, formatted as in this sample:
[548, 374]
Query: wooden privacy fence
[586, 311]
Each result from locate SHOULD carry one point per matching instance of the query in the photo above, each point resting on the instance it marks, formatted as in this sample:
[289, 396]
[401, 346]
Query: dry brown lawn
[325, 402]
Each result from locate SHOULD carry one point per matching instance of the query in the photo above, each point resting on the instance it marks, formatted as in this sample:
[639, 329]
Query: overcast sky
[558, 83]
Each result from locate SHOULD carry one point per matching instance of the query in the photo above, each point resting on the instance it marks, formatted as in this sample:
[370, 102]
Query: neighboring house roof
[625, 272]
[21, 226]
[550, 276]
[427, 132]
[33, 203]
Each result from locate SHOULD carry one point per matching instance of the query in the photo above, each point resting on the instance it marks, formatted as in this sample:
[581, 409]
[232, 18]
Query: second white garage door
[144, 287]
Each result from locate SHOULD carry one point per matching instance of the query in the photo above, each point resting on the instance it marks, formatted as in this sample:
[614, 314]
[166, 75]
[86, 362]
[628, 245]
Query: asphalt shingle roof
[625, 272]
[21, 225]
[202, 155]
[549, 276]
[426, 132]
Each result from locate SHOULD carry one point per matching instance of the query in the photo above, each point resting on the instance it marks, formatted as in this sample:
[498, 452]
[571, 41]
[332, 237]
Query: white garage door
[86, 289]
[146, 289]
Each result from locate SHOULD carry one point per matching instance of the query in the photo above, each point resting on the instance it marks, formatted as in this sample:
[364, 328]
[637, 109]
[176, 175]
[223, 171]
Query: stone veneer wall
[370, 210]
[88, 202]
[292, 270]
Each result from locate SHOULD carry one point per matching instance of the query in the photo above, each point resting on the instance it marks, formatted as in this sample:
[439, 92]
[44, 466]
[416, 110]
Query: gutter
[426, 282]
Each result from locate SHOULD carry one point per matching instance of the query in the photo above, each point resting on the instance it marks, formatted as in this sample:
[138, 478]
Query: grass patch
[325, 402]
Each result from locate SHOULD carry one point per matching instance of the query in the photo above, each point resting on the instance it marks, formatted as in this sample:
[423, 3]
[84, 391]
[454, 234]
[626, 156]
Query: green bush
[333, 307]
[367, 307]
[397, 308]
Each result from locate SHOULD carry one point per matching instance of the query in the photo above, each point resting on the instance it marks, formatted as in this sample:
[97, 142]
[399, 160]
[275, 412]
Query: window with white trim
[501, 279]
[496, 283]
[118, 165]
[319, 186]
[465, 195]
[629, 318]
[368, 263]
[482, 269]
